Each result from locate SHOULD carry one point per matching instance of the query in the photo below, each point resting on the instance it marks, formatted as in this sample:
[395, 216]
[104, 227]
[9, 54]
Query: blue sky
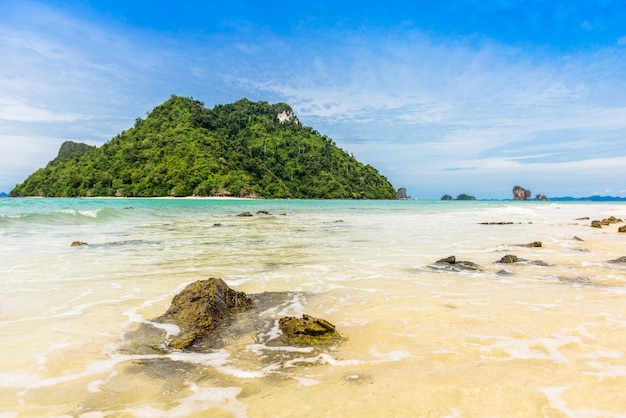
[442, 97]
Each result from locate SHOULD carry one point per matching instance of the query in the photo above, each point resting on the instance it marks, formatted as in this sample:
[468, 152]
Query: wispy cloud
[428, 109]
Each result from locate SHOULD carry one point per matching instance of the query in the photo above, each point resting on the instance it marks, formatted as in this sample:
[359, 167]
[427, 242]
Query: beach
[540, 337]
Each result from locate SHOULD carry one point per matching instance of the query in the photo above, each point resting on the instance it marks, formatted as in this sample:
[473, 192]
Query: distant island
[589, 199]
[3, 194]
[462, 196]
[243, 149]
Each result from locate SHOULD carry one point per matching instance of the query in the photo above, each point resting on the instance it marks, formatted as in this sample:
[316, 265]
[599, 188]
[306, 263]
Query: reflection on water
[518, 339]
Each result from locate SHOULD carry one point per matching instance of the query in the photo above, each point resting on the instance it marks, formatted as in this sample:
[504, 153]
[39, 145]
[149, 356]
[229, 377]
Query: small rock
[307, 330]
[245, 214]
[622, 259]
[621, 229]
[596, 224]
[78, 243]
[451, 263]
[508, 259]
[577, 238]
[262, 212]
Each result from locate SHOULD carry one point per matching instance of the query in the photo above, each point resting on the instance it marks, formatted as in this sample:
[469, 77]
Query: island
[244, 149]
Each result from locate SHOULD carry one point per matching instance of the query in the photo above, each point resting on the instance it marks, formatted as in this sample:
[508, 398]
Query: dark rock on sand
[308, 330]
[596, 224]
[534, 244]
[511, 259]
[200, 308]
[621, 229]
[245, 214]
[577, 238]
[508, 259]
[78, 243]
[496, 223]
[263, 212]
[451, 263]
[621, 260]
[580, 281]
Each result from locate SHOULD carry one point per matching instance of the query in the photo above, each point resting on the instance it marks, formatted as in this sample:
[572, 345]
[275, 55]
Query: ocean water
[508, 340]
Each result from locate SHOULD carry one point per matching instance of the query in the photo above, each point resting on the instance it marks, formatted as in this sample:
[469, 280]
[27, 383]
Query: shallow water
[508, 340]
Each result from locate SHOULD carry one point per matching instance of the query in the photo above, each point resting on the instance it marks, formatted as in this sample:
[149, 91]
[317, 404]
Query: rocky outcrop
[520, 193]
[620, 260]
[401, 194]
[307, 330]
[200, 308]
[541, 197]
[451, 263]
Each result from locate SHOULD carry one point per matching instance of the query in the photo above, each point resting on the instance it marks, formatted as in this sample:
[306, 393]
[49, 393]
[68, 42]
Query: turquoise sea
[539, 338]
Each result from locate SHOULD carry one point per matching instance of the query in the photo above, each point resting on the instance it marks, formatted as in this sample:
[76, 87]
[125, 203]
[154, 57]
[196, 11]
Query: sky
[442, 97]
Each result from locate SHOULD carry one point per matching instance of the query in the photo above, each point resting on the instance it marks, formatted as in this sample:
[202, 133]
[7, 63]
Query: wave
[63, 217]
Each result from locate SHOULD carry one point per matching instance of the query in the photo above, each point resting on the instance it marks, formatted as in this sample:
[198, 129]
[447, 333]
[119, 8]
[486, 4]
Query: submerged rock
[78, 243]
[619, 260]
[451, 263]
[307, 330]
[263, 212]
[245, 214]
[200, 308]
[511, 259]
[508, 259]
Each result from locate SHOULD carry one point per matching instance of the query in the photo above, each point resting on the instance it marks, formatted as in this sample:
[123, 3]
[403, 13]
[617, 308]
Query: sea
[542, 337]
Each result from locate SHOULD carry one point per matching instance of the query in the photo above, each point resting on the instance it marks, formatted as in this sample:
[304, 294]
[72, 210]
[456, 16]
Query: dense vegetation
[247, 149]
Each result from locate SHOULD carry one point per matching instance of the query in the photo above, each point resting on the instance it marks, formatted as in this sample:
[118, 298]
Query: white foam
[325, 358]
[556, 401]
[202, 399]
[304, 381]
[524, 348]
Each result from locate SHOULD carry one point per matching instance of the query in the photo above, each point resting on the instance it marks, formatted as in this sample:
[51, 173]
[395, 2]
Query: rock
[585, 218]
[245, 214]
[263, 212]
[541, 197]
[307, 330]
[519, 193]
[401, 193]
[534, 244]
[451, 263]
[216, 225]
[510, 259]
[581, 281]
[507, 259]
[621, 229]
[612, 220]
[622, 259]
[577, 238]
[596, 224]
[200, 308]
[78, 243]
[496, 223]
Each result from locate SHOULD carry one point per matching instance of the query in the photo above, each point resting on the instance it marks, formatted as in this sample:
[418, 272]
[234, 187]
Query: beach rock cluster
[606, 222]
[205, 310]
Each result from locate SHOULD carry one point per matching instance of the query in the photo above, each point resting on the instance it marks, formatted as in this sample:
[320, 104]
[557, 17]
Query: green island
[244, 149]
